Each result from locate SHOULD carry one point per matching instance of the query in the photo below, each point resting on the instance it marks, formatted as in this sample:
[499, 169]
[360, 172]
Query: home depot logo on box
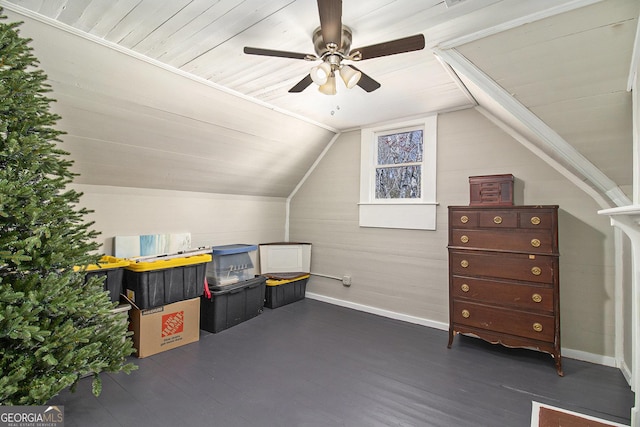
[166, 327]
[172, 323]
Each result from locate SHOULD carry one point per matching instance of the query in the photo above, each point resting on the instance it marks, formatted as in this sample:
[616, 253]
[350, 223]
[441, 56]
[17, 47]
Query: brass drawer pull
[535, 243]
[537, 327]
[536, 271]
[536, 298]
[466, 314]
[464, 219]
[497, 219]
[464, 287]
[535, 220]
[464, 239]
[464, 263]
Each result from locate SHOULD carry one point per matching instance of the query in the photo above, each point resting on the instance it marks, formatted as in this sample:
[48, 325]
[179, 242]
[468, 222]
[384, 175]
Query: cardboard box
[166, 327]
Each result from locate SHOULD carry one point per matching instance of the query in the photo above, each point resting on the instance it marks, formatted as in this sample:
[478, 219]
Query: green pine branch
[55, 326]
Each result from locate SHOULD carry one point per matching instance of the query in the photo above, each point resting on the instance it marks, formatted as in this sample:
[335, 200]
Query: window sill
[412, 216]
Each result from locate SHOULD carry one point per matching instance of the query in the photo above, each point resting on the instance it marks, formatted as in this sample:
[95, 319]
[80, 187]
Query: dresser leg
[558, 359]
[451, 335]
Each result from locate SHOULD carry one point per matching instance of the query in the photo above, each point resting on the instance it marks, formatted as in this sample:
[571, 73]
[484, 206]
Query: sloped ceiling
[158, 94]
[571, 71]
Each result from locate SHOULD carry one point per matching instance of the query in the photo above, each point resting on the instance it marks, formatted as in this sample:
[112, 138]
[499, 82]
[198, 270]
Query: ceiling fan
[332, 43]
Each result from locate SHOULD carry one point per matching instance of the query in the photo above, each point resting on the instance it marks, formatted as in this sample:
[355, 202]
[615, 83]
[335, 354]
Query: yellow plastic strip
[105, 263]
[168, 263]
[274, 282]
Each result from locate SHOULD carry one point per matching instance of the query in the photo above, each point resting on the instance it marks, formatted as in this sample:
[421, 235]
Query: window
[398, 175]
[399, 165]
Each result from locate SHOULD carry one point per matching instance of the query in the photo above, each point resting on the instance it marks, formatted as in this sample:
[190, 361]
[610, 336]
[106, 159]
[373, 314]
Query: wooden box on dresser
[503, 276]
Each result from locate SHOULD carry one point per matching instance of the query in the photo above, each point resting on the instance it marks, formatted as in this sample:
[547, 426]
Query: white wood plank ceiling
[165, 84]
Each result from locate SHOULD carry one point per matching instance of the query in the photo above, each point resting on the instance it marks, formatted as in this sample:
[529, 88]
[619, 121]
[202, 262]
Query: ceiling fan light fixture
[329, 88]
[350, 76]
[332, 44]
[320, 73]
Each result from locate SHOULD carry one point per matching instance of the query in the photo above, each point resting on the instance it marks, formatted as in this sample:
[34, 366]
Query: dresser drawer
[527, 297]
[534, 241]
[527, 267]
[483, 217]
[498, 319]
[463, 218]
[494, 218]
[542, 219]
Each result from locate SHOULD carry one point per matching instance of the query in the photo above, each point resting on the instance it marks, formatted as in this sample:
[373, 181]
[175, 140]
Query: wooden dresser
[503, 276]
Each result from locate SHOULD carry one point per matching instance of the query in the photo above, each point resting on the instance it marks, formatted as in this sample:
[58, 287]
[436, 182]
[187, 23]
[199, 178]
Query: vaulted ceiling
[162, 88]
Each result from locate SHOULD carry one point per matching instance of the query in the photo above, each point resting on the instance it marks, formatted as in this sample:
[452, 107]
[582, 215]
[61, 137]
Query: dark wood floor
[314, 364]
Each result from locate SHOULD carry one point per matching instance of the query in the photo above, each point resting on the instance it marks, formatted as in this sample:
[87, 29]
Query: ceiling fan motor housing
[321, 47]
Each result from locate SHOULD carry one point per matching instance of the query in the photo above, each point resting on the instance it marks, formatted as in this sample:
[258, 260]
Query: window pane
[398, 182]
[403, 147]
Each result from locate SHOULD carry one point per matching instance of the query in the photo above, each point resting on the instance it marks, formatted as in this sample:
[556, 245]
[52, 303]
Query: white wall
[405, 272]
[212, 219]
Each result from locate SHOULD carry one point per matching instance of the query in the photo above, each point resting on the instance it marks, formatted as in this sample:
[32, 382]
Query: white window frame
[416, 213]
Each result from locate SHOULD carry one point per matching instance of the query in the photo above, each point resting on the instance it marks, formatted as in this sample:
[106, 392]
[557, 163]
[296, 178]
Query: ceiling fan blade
[278, 53]
[301, 85]
[366, 82]
[407, 44]
[330, 12]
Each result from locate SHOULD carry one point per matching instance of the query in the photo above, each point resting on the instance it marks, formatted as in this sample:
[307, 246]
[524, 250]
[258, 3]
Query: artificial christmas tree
[54, 327]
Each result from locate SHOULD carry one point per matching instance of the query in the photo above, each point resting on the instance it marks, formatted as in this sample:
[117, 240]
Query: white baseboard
[626, 371]
[380, 312]
[566, 352]
[589, 357]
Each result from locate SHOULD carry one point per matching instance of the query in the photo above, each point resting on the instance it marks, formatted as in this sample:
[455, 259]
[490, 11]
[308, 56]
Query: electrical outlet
[346, 280]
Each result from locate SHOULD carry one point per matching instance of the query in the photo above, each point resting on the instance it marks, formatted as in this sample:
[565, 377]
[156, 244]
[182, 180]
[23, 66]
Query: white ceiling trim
[456, 80]
[69, 29]
[538, 127]
[635, 57]
[504, 26]
[602, 202]
[635, 102]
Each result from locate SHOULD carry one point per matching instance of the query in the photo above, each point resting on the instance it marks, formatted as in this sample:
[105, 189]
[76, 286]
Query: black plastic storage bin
[111, 268]
[231, 305]
[160, 282]
[112, 281]
[282, 292]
